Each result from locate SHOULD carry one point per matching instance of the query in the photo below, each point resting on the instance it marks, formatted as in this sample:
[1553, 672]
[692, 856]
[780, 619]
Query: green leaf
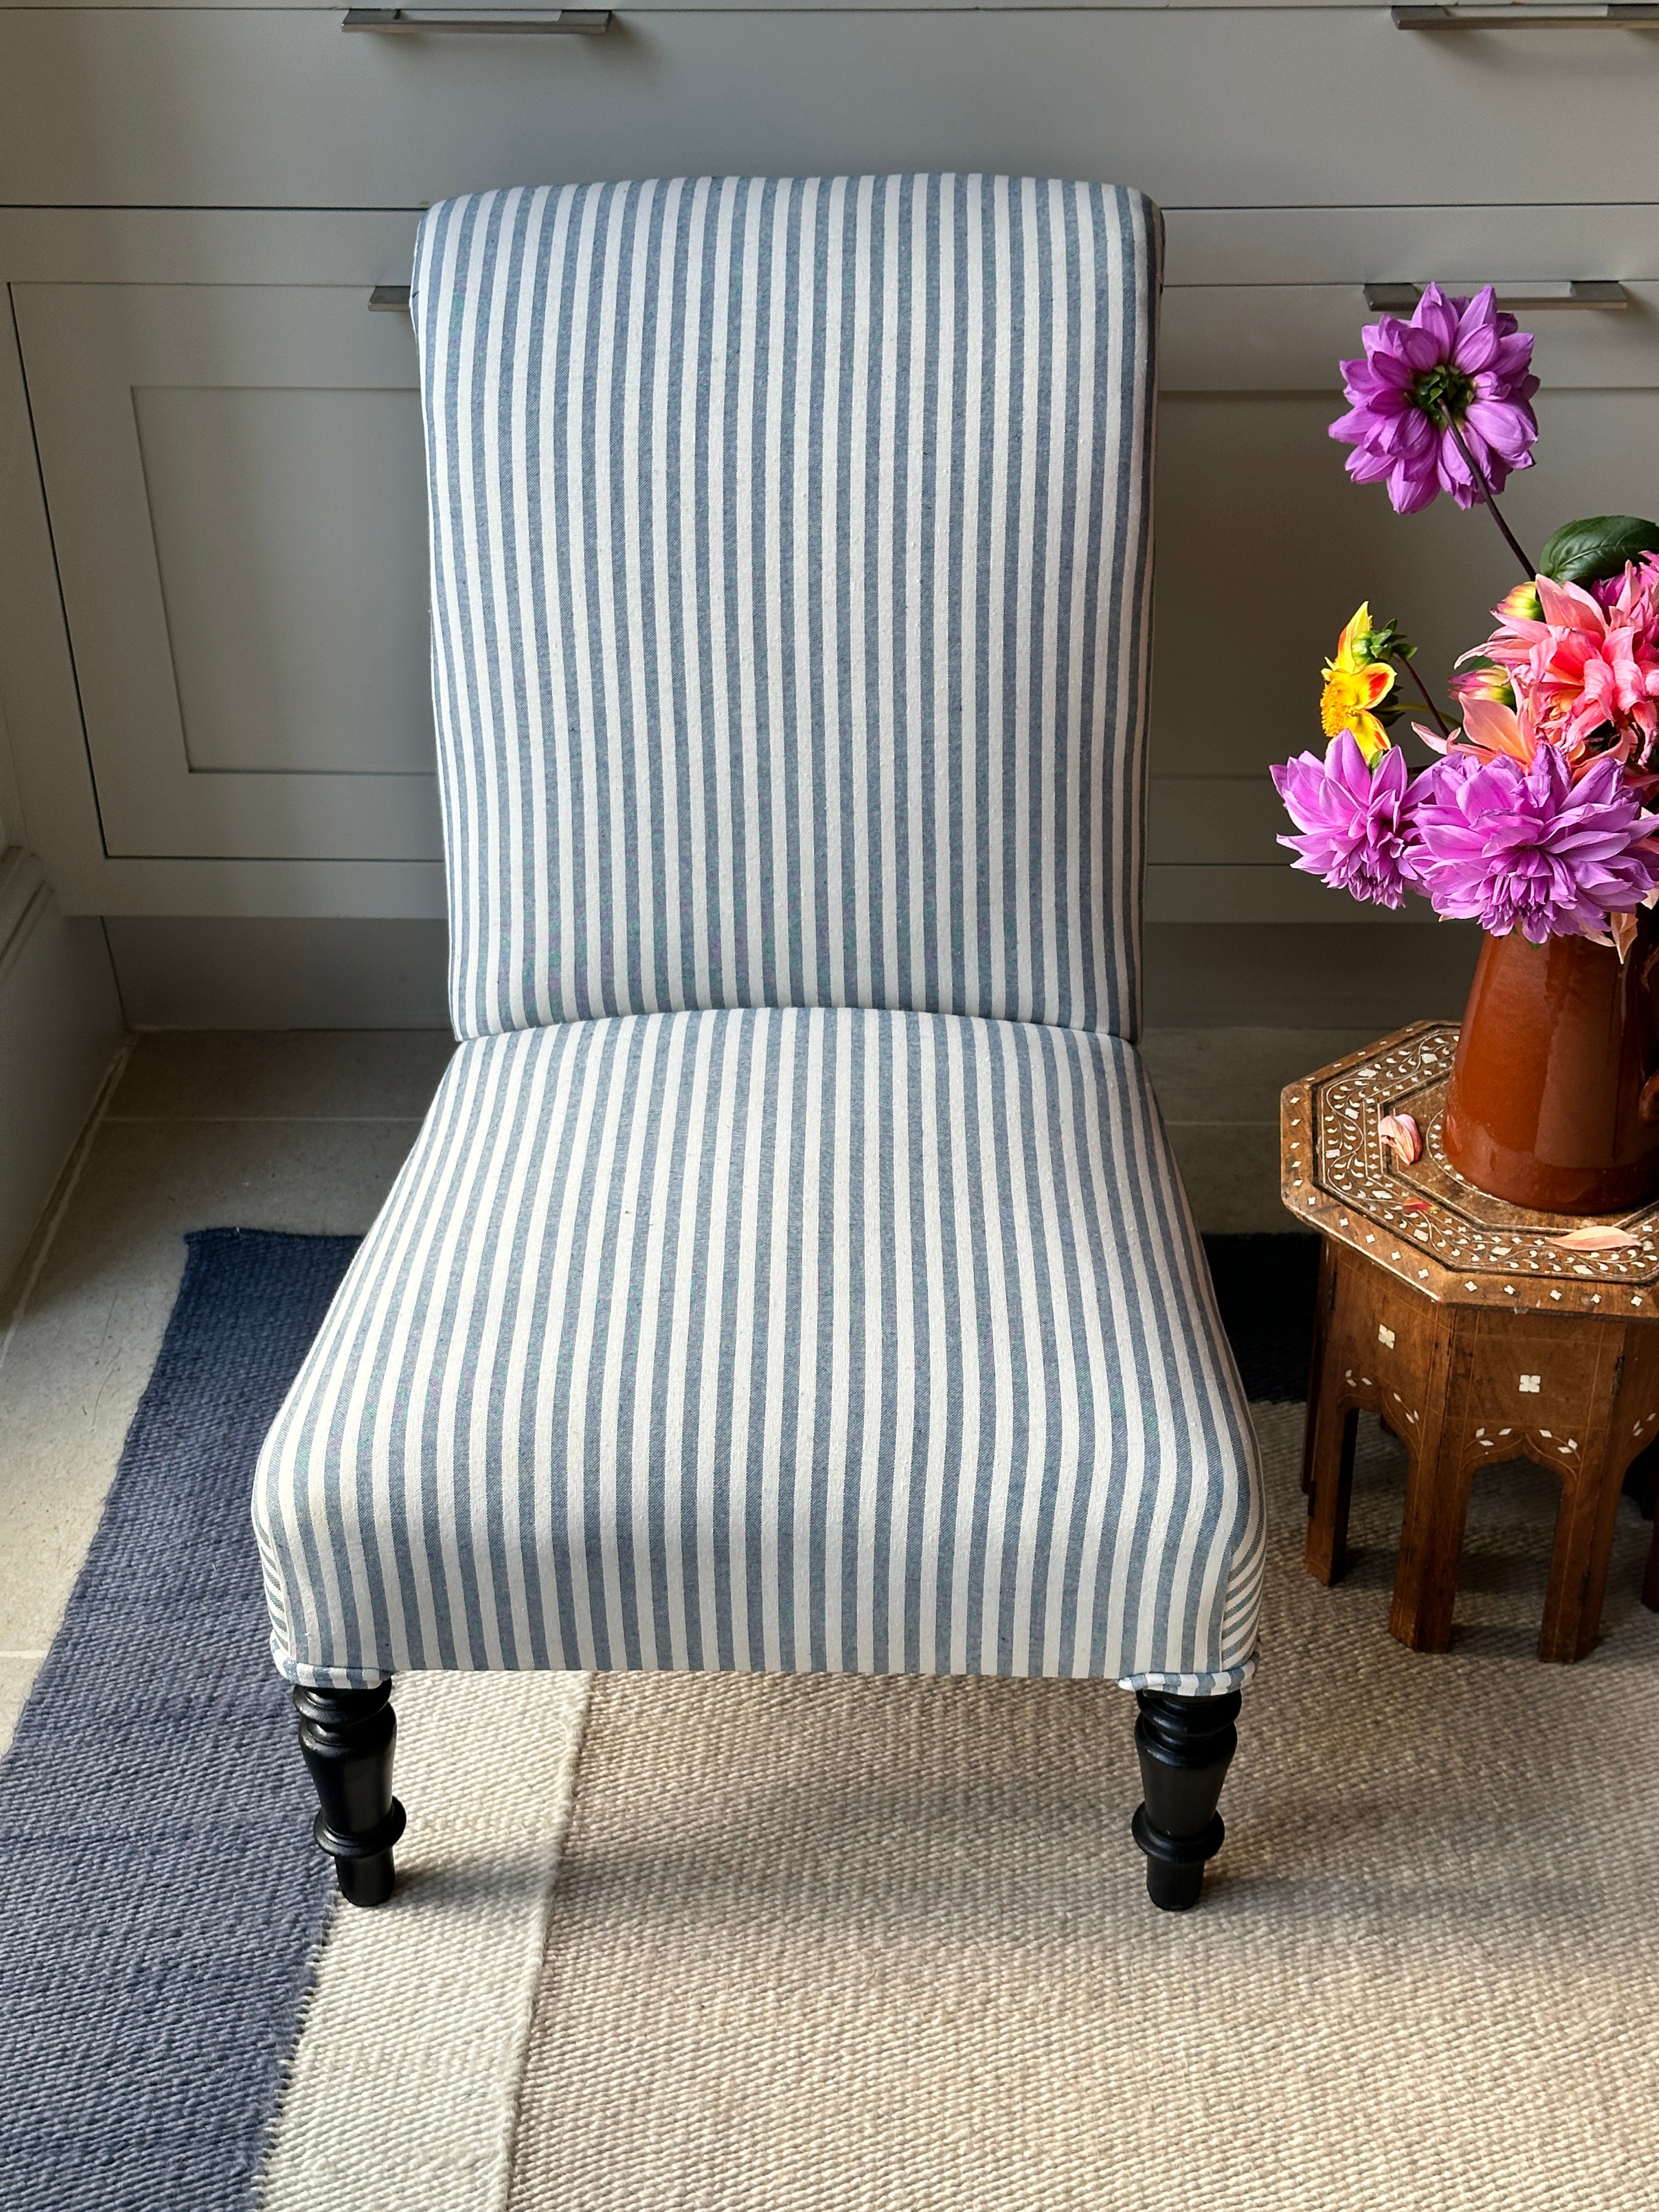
[1382, 642]
[1586, 552]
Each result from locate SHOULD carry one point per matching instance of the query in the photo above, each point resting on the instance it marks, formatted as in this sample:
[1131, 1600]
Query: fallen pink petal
[1594, 1240]
[1400, 1133]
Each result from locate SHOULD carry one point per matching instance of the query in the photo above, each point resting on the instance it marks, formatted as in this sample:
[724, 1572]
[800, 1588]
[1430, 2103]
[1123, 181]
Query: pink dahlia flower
[1356, 821]
[1457, 362]
[1587, 670]
[1517, 846]
[1490, 725]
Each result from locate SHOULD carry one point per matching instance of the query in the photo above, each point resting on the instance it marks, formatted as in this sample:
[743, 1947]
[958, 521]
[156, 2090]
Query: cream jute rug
[857, 1946]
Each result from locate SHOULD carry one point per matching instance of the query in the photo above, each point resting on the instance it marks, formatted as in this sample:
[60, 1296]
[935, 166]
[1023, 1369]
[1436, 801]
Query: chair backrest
[791, 574]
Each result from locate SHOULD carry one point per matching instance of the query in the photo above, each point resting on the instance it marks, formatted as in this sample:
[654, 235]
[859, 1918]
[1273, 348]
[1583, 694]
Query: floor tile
[17, 1671]
[258, 1074]
[79, 1358]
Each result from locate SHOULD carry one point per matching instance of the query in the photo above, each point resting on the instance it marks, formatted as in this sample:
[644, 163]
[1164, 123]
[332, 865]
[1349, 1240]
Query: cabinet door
[236, 486]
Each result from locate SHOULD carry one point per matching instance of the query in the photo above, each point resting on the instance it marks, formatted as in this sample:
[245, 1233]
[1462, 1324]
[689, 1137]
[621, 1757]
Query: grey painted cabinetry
[236, 480]
[212, 571]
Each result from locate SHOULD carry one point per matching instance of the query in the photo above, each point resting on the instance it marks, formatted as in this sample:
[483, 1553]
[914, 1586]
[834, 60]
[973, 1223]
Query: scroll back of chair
[791, 568]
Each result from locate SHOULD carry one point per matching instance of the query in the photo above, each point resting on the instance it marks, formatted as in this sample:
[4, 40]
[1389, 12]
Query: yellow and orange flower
[1354, 686]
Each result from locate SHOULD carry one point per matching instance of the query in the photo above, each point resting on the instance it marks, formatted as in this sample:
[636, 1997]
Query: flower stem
[1510, 538]
[1444, 725]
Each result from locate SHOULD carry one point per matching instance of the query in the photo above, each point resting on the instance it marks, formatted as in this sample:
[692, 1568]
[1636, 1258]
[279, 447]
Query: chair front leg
[347, 1737]
[1185, 1745]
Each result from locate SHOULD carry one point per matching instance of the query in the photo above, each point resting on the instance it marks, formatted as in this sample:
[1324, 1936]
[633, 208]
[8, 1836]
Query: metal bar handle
[1604, 294]
[1516, 15]
[562, 22]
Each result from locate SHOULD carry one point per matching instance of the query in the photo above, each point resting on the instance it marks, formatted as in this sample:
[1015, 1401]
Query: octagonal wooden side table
[1475, 1336]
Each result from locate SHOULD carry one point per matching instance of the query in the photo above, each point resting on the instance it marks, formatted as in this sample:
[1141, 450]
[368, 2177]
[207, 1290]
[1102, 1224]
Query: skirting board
[192, 972]
[199, 972]
[1306, 975]
[60, 1027]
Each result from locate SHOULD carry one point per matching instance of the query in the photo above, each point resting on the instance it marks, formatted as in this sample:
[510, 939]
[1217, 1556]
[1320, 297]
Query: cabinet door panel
[1456, 245]
[1291, 338]
[1260, 106]
[291, 655]
[237, 493]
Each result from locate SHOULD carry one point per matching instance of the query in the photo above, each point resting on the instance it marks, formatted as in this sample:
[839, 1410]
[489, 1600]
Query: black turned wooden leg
[1185, 1745]
[347, 1737]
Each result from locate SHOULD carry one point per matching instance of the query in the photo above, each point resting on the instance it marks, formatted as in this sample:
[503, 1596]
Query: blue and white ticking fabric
[790, 593]
[790, 1272]
[817, 1338]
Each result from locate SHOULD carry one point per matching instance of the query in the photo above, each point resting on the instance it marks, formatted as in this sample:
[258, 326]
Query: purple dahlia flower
[1459, 365]
[1520, 846]
[1356, 821]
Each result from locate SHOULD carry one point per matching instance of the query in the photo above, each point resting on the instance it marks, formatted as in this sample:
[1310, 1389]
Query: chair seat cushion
[819, 1338]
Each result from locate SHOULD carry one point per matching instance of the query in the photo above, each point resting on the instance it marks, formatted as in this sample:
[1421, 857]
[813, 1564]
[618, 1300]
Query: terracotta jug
[1554, 1098]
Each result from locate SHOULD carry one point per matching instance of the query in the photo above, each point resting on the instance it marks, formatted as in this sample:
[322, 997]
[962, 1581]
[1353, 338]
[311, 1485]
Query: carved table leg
[347, 1738]
[1642, 1475]
[1185, 1745]
[1331, 1495]
[1431, 1548]
[1328, 1437]
[1579, 1563]
[1324, 1307]
[1437, 1483]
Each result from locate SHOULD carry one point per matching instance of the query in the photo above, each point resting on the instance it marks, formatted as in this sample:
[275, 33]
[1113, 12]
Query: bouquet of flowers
[1534, 813]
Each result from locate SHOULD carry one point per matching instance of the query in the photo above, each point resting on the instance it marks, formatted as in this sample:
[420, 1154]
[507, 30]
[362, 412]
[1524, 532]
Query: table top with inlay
[1424, 1222]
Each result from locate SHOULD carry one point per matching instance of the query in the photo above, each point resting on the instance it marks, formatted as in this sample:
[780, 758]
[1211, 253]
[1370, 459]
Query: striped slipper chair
[791, 1272]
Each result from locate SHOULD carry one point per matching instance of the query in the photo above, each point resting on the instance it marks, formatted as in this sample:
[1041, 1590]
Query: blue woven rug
[162, 1901]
